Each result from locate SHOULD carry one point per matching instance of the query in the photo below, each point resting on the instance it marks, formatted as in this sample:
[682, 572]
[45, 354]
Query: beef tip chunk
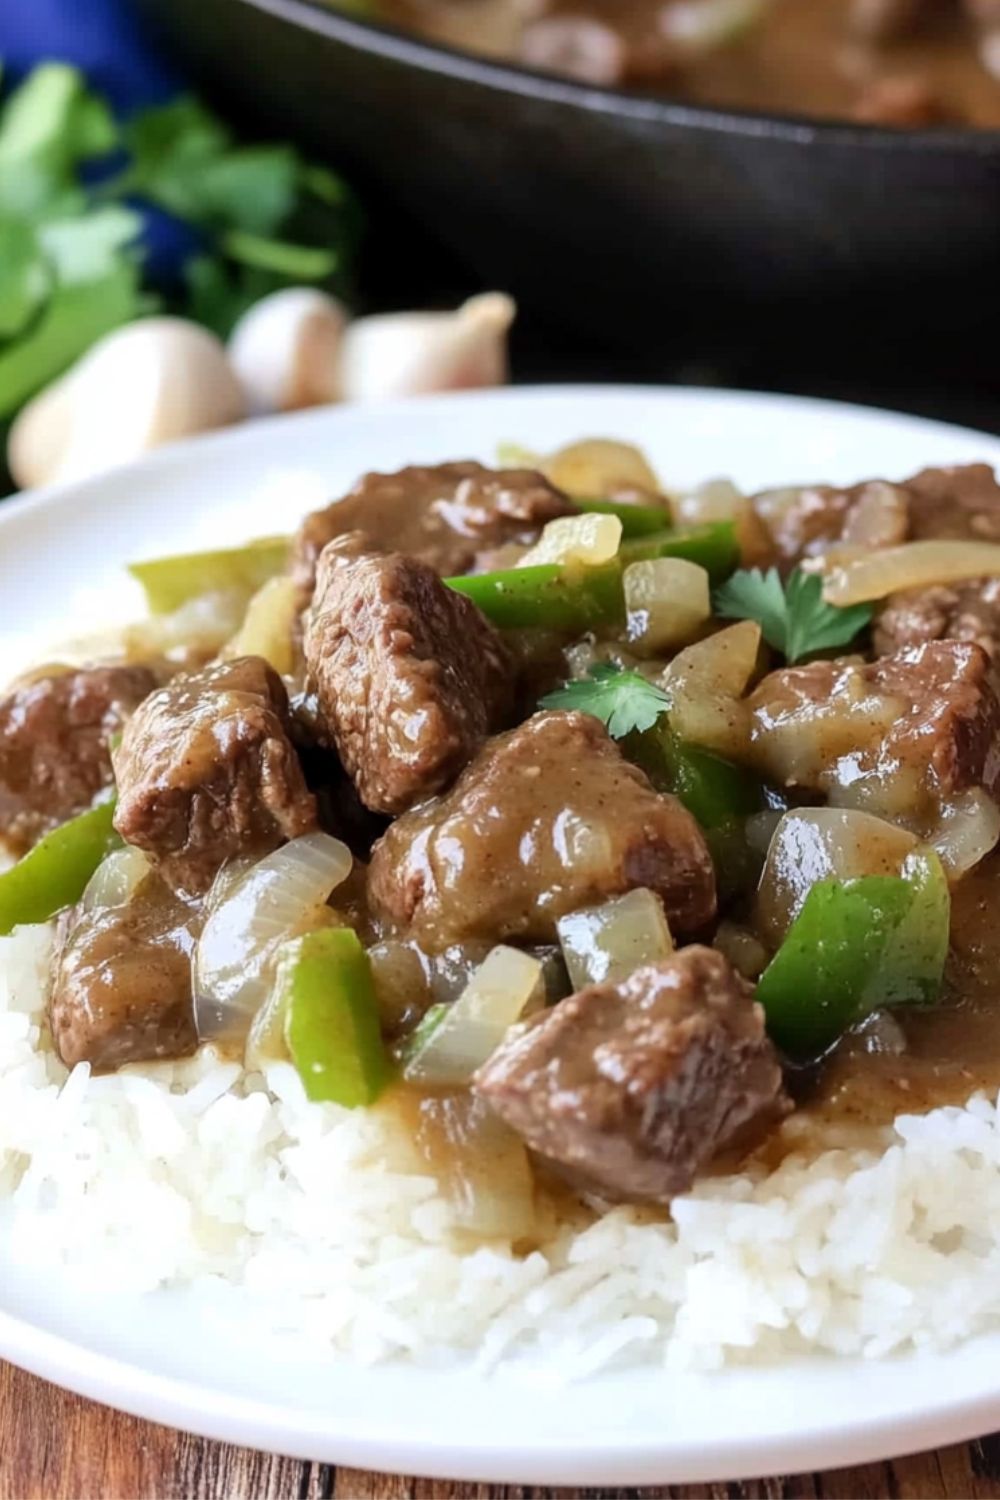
[956, 504]
[631, 1089]
[548, 818]
[961, 503]
[898, 737]
[808, 522]
[54, 745]
[448, 516]
[409, 675]
[122, 986]
[206, 772]
[954, 612]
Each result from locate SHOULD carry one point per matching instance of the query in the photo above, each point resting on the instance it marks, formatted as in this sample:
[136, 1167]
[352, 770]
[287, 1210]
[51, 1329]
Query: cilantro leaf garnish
[793, 617]
[79, 193]
[623, 701]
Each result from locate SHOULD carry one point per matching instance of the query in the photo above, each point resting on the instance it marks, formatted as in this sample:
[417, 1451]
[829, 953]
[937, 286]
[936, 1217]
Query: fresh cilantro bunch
[76, 189]
[793, 617]
[623, 701]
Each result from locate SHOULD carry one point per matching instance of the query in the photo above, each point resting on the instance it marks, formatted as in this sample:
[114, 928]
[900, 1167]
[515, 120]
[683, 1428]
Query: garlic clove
[148, 383]
[413, 354]
[285, 350]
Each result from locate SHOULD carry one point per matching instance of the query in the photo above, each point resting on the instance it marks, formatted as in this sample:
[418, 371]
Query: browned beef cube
[448, 516]
[897, 736]
[122, 984]
[206, 772]
[54, 745]
[806, 522]
[632, 1088]
[967, 611]
[409, 676]
[548, 818]
[956, 504]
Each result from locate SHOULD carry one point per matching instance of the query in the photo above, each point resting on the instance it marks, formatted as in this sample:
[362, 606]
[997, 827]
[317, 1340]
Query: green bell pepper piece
[331, 1017]
[720, 795]
[637, 520]
[713, 547]
[856, 946]
[55, 872]
[170, 582]
[547, 596]
[714, 790]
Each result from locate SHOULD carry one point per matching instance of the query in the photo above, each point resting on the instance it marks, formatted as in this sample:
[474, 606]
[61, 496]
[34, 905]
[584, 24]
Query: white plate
[189, 1362]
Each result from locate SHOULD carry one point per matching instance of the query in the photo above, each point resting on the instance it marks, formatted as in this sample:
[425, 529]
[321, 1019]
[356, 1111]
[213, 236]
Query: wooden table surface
[54, 1446]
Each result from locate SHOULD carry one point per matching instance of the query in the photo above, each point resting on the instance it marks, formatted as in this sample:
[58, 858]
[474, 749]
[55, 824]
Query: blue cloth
[102, 37]
[104, 40]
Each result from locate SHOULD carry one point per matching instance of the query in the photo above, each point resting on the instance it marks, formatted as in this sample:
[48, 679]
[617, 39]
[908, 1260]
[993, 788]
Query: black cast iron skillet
[685, 231]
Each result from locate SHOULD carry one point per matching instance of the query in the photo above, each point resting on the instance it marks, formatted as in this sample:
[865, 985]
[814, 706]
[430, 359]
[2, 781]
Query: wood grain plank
[55, 1446]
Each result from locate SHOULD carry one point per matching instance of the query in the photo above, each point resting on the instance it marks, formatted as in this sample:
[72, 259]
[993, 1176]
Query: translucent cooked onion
[668, 601]
[250, 916]
[743, 948]
[969, 828]
[606, 943]
[720, 500]
[914, 565]
[585, 540]
[474, 1026]
[823, 843]
[202, 625]
[268, 625]
[598, 468]
[706, 683]
[116, 879]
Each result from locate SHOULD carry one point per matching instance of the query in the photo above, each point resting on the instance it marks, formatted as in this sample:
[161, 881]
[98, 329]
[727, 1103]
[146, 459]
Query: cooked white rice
[173, 1174]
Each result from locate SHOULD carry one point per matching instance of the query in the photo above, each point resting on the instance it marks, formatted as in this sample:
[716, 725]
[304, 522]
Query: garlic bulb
[413, 354]
[285, 350]
[145, 384]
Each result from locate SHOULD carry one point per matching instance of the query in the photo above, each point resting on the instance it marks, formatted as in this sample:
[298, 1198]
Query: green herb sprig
[74, 189]
[793, 617]
[625, 702]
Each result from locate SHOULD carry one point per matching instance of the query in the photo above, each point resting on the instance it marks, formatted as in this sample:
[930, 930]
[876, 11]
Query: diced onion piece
[474, 1026]
[268, 626]
[743, 948]
[599, 468]
[585, 540]
[969, 828]
[706, 683]
[481, 1165]
[116, 879]
[266, 1037]
[606, 943]
[668, 601]
[914, 565]
[823, 843]
[203, 625]
[702, 25]
[720, 500]
[279, 897]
